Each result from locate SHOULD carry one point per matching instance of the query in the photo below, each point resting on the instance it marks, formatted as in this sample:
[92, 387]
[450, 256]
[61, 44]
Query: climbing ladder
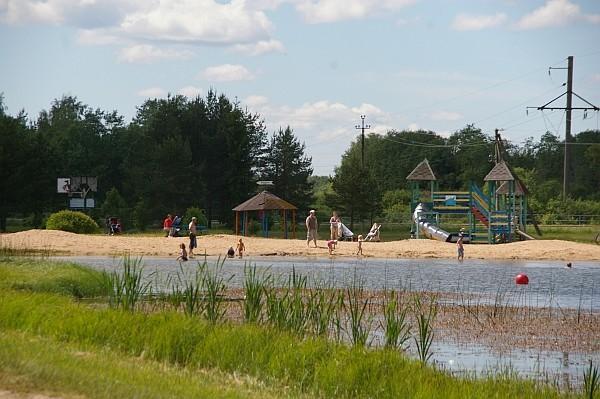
[487, 224]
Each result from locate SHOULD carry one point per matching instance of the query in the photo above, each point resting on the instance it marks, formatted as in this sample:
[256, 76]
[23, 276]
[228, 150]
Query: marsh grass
[395, 325]
[127, 287]
[275, 357]
[255, 286]
[591, 381]
[425, 314]
[359, 320]
[40, 275]
[213, 286]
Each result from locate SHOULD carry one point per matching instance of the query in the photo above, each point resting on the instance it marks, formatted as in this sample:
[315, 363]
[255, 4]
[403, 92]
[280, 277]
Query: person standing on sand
[241, 248]
[360, 241]
[193, 228]
[334, 223]
[311, 228]
[167, 224]
[331, 246]
[459, 245]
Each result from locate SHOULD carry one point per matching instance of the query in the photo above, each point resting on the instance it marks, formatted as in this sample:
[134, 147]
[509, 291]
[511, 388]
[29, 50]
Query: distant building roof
[263, 201]
[500, 172]
[422, 172]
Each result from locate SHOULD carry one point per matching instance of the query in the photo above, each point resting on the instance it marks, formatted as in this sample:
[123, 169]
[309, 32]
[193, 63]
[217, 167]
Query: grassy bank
[30, 363]
[49, 341]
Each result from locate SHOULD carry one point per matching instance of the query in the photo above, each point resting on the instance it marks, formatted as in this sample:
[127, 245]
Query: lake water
[550, 284]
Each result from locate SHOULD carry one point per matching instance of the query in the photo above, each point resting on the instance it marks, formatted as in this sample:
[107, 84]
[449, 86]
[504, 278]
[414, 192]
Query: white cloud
[467, 22]
[227, 73]
[159, 22]
[256, 101]
[152, 92]
[190, 91]
[555, 13]
[446, 116]
[199, 21]
[319, 11]
[412, 127]
[260, 47]
[147, 53]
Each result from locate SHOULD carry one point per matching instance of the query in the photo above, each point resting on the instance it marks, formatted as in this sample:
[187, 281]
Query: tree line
[176, 153]
[380, 190]
[207, 153]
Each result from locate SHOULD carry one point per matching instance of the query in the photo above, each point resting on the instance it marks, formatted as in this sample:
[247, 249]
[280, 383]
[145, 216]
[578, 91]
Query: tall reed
[321, 303]
[395, 324]
[360, 321]
[425, 315]
[213, 286]
[255, 286]
[191, 294]
[591, 380]
[126, 288]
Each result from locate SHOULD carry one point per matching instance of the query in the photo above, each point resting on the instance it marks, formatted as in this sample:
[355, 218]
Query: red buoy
[522, 279]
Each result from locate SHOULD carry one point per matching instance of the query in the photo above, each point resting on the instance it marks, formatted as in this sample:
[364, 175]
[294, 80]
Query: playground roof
[264, 201]
[500, 172]
[519, 188]
[422, 172]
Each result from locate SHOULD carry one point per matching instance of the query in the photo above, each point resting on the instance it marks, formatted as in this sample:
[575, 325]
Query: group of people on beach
[335, 232]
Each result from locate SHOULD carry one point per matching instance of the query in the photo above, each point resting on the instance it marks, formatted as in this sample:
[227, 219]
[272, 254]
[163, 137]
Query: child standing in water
[241, 248]
[360, 241]
[182, 253]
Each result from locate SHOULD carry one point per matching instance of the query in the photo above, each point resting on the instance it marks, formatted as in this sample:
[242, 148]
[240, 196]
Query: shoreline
[65, 243]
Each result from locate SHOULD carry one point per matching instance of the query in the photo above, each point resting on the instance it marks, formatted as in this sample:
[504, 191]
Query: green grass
[39, 275]
[583, 233]
[279, 359]
[41, 365]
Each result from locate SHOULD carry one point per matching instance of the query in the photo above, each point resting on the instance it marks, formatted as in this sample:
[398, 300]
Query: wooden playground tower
[495, 214]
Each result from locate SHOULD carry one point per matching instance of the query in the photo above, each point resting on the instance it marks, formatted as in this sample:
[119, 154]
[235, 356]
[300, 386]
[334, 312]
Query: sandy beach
[79, 244]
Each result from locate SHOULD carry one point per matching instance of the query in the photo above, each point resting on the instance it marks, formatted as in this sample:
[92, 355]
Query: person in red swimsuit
[167, 224]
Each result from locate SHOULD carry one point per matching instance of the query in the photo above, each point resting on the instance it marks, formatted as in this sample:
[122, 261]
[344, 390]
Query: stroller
[373, 234]
[113, 226]
[346, 234]
[176, 226]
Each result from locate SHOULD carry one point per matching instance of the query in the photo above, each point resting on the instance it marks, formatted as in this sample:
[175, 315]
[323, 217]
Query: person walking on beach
[311, 228]
[334, 227]
[193, 228]
[241, 248]
[167, 224]
[459, 245]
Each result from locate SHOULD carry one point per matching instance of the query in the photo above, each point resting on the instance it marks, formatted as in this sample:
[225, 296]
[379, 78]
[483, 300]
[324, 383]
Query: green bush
[141, 215]
[199, 213]
[75, 222]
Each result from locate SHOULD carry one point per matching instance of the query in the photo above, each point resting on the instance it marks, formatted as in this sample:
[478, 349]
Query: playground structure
[496, 217]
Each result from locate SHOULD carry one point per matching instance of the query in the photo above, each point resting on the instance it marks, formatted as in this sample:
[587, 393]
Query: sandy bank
[78, 244]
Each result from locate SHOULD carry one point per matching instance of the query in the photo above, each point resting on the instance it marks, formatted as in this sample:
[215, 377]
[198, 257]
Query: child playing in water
[241, 248]
[331, 245]
[182, 253]
[360, 241]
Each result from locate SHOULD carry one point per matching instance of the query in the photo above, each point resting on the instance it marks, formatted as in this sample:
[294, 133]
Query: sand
[217, 244]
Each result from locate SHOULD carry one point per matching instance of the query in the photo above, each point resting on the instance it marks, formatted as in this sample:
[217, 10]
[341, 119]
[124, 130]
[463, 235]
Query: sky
[315, 65]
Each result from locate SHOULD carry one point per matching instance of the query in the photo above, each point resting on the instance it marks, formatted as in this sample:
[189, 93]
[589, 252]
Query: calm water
[550, 284]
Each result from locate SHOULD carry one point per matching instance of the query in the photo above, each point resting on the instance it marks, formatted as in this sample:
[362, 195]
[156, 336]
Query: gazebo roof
[264, 201]
[422, 172]
[500, 172]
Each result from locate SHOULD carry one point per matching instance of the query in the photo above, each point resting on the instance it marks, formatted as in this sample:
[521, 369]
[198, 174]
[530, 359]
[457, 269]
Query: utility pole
[569, 107]
[362, 127]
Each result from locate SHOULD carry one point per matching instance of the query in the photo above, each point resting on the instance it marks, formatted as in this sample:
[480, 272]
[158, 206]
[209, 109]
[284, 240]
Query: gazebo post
[285, 232]
[293, 223]
[237, 223]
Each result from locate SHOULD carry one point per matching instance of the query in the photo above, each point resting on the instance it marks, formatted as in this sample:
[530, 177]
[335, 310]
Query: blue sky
[315, 65]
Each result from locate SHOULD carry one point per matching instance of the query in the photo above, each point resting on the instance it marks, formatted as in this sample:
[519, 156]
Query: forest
[208, 153]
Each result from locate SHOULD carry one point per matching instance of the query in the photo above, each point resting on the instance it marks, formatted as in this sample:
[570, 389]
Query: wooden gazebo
[264, 203]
